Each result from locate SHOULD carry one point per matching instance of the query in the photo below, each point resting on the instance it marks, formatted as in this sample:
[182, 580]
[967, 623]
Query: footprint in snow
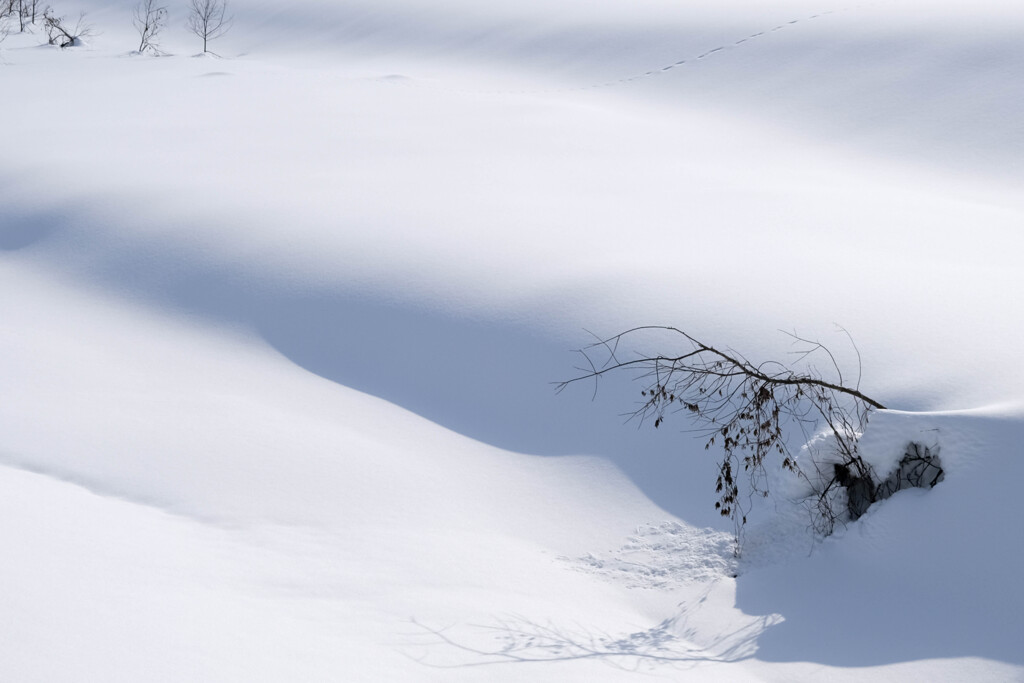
[664, 556]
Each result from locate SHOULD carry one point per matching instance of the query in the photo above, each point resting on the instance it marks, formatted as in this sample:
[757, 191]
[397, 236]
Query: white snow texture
[280, 327]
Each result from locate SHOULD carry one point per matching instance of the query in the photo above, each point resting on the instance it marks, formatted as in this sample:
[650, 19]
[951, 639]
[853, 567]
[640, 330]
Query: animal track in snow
[664, 556]
[721, 48]
[656, 71]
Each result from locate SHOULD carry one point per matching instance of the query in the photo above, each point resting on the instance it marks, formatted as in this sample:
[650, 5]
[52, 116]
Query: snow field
[277, 333]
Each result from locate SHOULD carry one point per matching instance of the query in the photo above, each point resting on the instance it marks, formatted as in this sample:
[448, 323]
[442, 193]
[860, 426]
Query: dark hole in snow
[919, 468]
[859, 490]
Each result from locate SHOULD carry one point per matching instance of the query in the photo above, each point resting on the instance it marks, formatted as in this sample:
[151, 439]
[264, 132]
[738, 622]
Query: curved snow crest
[664, 556]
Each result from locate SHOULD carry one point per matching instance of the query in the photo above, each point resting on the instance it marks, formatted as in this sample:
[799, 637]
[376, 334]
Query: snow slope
[278, 332]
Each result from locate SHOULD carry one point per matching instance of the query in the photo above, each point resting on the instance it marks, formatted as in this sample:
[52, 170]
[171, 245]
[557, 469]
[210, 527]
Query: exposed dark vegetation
[206, 19]
[751, 411]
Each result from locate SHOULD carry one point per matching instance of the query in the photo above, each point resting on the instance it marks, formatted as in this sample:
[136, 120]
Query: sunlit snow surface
[279, 327]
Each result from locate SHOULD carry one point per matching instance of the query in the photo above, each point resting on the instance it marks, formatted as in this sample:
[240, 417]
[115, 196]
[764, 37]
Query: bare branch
[743, 407]
[60, 32]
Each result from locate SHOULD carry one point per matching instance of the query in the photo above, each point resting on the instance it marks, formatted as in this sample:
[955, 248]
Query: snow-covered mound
[280, 328]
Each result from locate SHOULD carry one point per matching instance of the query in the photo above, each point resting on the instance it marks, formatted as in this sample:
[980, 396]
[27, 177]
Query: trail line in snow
[703, 55]
[654, 72]
[694, 634]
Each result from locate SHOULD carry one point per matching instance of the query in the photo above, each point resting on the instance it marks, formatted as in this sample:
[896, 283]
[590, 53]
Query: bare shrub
[149, 19]
[748, 410]
[59, 31]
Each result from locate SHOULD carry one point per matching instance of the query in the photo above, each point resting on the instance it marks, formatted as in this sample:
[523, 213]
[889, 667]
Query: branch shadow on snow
[679, 642]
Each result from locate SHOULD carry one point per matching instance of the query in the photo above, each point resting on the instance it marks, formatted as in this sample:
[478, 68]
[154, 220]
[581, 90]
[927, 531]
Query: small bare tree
[61, 32]
[149, 19]
[30, 8]
[27, 11]
[8, 8]
[746, 407]
[208, 19]
[15, 8]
